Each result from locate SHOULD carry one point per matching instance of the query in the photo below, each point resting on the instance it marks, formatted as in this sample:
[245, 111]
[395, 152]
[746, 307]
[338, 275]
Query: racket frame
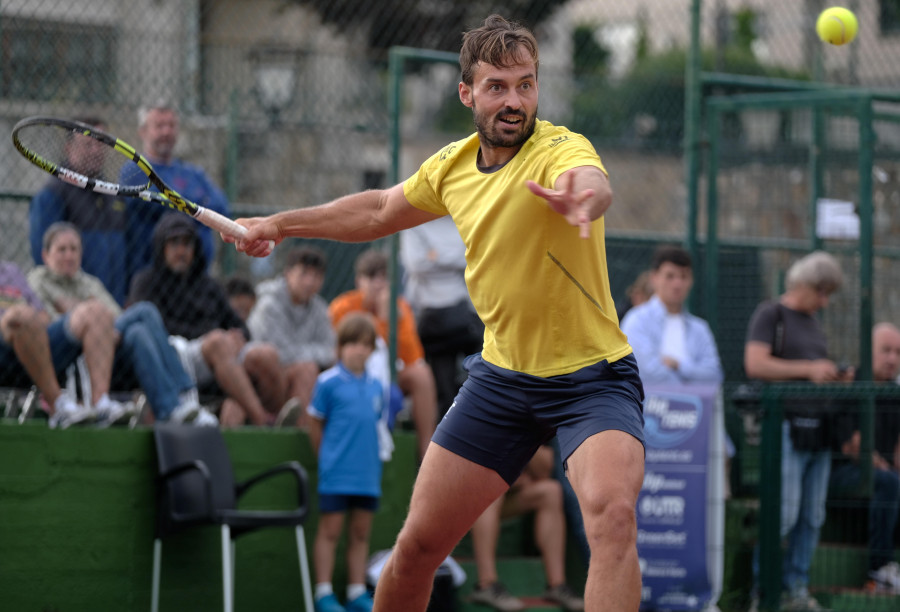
[165, 196]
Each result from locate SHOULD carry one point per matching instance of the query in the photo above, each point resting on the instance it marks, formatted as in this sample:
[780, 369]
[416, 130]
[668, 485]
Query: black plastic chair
[196, 486]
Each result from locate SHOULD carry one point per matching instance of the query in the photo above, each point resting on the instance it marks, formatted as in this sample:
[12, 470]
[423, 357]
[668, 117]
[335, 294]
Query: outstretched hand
[571, 205]
[261, 237]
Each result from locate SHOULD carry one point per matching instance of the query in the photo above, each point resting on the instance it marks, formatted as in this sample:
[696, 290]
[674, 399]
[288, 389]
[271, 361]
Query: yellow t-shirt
[542, 292]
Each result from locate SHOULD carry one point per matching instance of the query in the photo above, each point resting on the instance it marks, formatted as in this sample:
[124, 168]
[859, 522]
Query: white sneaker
[67, 412]
[205, 418]
[289, 413]
[189, 397]
[185, 413]
[111, 412]
[887, 577]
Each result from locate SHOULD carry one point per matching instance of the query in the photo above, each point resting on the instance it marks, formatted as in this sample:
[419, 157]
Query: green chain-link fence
[285, 104]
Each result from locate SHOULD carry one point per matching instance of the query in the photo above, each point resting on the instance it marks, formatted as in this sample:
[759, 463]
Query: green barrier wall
[77, 518]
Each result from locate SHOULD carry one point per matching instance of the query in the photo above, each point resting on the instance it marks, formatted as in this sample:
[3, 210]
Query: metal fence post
[770, 500]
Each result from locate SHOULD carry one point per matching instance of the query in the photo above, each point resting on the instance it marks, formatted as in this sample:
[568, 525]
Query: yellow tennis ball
[837, 25]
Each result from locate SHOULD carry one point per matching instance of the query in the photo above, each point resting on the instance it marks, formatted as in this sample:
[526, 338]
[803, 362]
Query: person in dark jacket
[210, 336]
[99, 217]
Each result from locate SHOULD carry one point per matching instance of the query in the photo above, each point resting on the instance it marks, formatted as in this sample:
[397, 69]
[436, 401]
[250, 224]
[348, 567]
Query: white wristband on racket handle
[223, 224]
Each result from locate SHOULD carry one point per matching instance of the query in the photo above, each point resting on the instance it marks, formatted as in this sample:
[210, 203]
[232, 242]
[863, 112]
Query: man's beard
[491, 136]
[164, 149]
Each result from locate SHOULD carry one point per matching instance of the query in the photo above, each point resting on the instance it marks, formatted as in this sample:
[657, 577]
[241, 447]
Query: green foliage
[643, 43]
[454, 118]
[589, 58]
[745, 29]
[646, 108]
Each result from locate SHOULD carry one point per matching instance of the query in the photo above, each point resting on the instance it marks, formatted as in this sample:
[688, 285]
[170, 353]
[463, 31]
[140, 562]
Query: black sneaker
[496, 596]
[563, 596]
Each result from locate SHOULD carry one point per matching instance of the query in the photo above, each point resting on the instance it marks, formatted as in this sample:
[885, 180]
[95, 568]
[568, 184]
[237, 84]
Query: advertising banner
[680, 507]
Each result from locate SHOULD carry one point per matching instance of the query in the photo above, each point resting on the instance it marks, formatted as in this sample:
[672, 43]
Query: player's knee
[614, 520]
[413, 554]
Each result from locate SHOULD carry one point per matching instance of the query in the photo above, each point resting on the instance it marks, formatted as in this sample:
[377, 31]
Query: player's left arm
[582, 195]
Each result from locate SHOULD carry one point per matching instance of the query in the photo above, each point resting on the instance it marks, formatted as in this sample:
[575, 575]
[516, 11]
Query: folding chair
[196, 486]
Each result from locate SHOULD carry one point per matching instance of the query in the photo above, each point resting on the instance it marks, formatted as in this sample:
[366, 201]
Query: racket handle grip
[223, 224]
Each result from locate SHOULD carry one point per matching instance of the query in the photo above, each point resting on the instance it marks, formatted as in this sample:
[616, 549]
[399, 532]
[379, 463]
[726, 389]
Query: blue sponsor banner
[673, 509]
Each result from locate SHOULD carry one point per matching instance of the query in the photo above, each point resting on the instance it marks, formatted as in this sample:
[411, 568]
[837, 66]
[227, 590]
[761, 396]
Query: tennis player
[528, 198]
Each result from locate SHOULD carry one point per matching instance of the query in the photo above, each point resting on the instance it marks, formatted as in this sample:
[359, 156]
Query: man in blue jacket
[100, 218]
[158, 129]
[211, 338]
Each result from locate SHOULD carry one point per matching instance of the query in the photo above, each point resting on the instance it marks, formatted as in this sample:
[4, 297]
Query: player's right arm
[360, 217]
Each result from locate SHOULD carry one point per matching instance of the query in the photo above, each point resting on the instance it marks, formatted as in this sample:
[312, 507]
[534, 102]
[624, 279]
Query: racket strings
[80, 153]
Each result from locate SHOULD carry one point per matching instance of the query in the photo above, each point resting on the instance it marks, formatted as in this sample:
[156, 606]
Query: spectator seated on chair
[292, 316]
[211, 338]
[143, 356]
[35, 350]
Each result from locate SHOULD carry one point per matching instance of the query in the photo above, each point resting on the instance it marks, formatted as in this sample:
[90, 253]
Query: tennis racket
[89, 158]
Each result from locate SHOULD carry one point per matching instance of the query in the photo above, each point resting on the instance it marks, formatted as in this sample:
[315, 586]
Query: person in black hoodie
[210, 336]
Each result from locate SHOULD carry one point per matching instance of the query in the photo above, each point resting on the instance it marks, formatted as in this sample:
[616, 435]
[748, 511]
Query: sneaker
[289, 413]
[563, 596]
[496, 596]
[205, 418]
[800, 600]
[67, 413]
[111, 412]
[363, 603]
[329, 603]
[185, 412]
[887, 577]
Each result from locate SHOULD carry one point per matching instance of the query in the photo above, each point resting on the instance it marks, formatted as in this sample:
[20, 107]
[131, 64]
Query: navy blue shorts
[500, 417]
[342, 503]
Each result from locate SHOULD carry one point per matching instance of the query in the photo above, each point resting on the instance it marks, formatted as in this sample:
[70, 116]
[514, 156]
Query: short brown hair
[238, 285]
[371, 263]
[670, 253]
[307, 256]
[356, 327]
[497, 43]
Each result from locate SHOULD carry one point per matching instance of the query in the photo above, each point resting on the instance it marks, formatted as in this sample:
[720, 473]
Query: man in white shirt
[671, 345]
